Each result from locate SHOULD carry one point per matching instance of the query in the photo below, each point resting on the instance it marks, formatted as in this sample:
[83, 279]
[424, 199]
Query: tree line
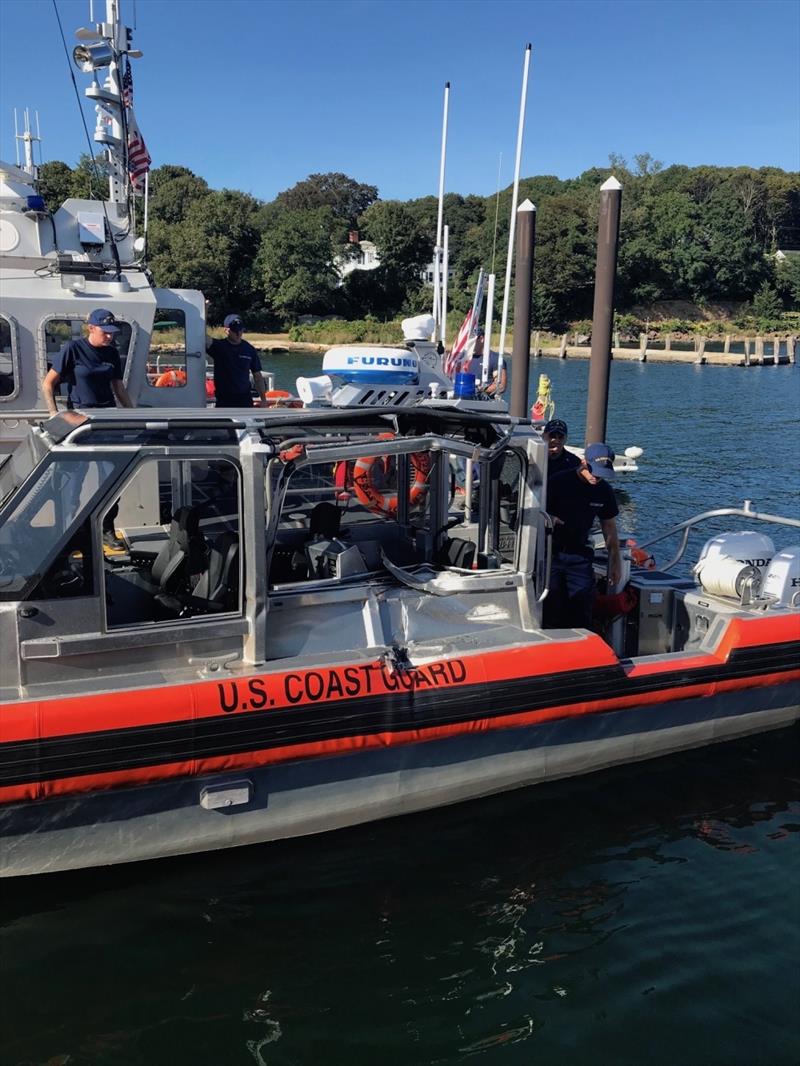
[687, 233]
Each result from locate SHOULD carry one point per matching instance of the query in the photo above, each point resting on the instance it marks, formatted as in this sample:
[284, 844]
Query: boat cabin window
[58, 331]
[39, 526]
[172, 543]
[8, 360]
[339, 518]
[166, 360]
[343, 519]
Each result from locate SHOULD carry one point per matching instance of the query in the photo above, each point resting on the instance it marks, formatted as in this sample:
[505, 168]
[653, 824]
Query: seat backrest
[220, 582]
[183, 554]
[324, 521]
[457, 552]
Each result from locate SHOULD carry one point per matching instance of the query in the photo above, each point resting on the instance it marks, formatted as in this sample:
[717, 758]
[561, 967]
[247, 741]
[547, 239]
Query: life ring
[278, 398]
[171, 379]
[641, 557]
[385, 503]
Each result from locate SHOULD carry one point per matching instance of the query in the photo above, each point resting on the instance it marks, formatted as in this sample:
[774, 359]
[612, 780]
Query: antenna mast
[510, 256]
[28, 138]
[102, 48]
[437, 252]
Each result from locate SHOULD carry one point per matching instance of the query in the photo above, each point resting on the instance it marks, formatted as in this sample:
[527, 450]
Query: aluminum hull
[321, 794]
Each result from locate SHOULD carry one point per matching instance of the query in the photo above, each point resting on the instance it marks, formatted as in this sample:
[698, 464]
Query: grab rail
[746, 511]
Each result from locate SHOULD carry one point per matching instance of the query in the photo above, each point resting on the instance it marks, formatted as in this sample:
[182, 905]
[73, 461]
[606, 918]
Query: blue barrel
[464, 387]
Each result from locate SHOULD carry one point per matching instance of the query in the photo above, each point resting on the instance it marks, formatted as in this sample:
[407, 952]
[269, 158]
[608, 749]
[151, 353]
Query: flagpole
[445, 277]
[487, 333]
[437, 273]
[515, 195]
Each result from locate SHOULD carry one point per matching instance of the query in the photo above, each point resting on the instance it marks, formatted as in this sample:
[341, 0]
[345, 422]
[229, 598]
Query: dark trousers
[569, 601]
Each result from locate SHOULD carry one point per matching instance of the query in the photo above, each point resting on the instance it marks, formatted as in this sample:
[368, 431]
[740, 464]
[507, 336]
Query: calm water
[646, 915]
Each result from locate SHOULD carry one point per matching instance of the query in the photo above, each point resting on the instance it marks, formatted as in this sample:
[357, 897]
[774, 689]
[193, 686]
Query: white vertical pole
[512, 230]
[445, 278]
[437, 274]
[146, 201]
[487, 332]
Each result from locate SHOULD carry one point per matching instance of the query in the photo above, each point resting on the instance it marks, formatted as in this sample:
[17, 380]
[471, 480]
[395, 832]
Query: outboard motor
[781, 583]
[732, 562]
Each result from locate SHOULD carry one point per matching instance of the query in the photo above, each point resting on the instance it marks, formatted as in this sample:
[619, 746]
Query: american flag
[138, 157]
[127, 85]
[464, 344]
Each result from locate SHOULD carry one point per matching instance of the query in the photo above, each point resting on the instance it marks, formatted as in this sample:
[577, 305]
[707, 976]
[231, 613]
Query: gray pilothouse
[56, 267]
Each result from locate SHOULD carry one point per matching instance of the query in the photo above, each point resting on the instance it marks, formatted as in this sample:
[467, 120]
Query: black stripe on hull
[398, 712]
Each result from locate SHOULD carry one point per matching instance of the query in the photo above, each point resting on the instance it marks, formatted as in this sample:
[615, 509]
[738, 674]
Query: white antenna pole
[146, 201]
[445, 278]
[487, 332]
[511, 233]
[437, 252]
[16, 136]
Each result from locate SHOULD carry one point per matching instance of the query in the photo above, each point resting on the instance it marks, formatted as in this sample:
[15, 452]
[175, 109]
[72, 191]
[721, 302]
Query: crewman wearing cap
[496, 384]
[574, 500]
[90, 367]
[559, 460]
[235, 359]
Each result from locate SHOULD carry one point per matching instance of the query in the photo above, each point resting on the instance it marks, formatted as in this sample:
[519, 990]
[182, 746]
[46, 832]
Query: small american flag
[464, 344]
[138, 157]
[127, 85]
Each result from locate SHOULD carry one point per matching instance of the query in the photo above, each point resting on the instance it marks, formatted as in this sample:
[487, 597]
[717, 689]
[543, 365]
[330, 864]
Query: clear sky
[257, 94]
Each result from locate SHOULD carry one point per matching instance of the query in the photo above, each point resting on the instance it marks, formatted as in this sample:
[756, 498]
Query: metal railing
[746, 511]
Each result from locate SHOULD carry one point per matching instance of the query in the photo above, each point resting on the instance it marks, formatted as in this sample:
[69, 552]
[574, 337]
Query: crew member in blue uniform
[92, 371]
[90, 367]
[575, 498]
[559, 459]
[235, 360]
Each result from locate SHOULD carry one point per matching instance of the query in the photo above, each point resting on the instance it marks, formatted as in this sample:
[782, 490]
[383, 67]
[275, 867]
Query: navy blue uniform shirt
[578, 504]
[233, 364]
[565, 461]
[88, 373]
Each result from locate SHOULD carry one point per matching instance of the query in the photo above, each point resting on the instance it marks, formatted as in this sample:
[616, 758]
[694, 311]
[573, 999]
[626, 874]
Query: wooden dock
[747, 351]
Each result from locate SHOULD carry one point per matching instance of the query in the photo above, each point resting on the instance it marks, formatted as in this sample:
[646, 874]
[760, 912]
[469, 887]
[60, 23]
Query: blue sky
[255, 95]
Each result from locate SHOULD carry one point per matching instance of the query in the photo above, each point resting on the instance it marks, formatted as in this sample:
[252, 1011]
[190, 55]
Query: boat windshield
[36, 523]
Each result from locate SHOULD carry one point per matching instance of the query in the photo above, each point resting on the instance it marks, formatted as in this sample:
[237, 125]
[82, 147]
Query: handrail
[745, 511]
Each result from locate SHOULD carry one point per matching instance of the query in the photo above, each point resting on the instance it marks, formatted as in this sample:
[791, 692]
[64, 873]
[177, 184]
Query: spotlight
[89, 57]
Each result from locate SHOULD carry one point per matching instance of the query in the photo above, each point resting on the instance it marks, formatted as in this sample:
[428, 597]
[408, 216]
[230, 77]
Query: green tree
[403, 249]
[295, 263]
[55, 183]
[767, 303]
[173, 192]
[213, 249]
[90, 179]
[346, 197]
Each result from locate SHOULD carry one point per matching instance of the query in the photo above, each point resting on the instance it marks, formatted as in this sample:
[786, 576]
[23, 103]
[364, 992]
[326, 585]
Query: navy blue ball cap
[556, 425]
[233, 322]
[601, 460]
[104, 319]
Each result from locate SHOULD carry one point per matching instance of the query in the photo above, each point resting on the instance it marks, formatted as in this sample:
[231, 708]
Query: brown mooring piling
[523, 289]
[603, 313]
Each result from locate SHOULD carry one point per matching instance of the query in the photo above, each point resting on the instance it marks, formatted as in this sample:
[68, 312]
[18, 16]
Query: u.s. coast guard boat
[309, 628]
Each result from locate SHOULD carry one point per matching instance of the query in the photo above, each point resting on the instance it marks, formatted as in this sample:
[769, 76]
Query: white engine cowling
[729, 559]
[782, 580]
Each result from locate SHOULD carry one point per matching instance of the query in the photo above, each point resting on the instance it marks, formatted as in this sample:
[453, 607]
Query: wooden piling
[700, 350]
[726, 348]
[562, 354]
[642, 347]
